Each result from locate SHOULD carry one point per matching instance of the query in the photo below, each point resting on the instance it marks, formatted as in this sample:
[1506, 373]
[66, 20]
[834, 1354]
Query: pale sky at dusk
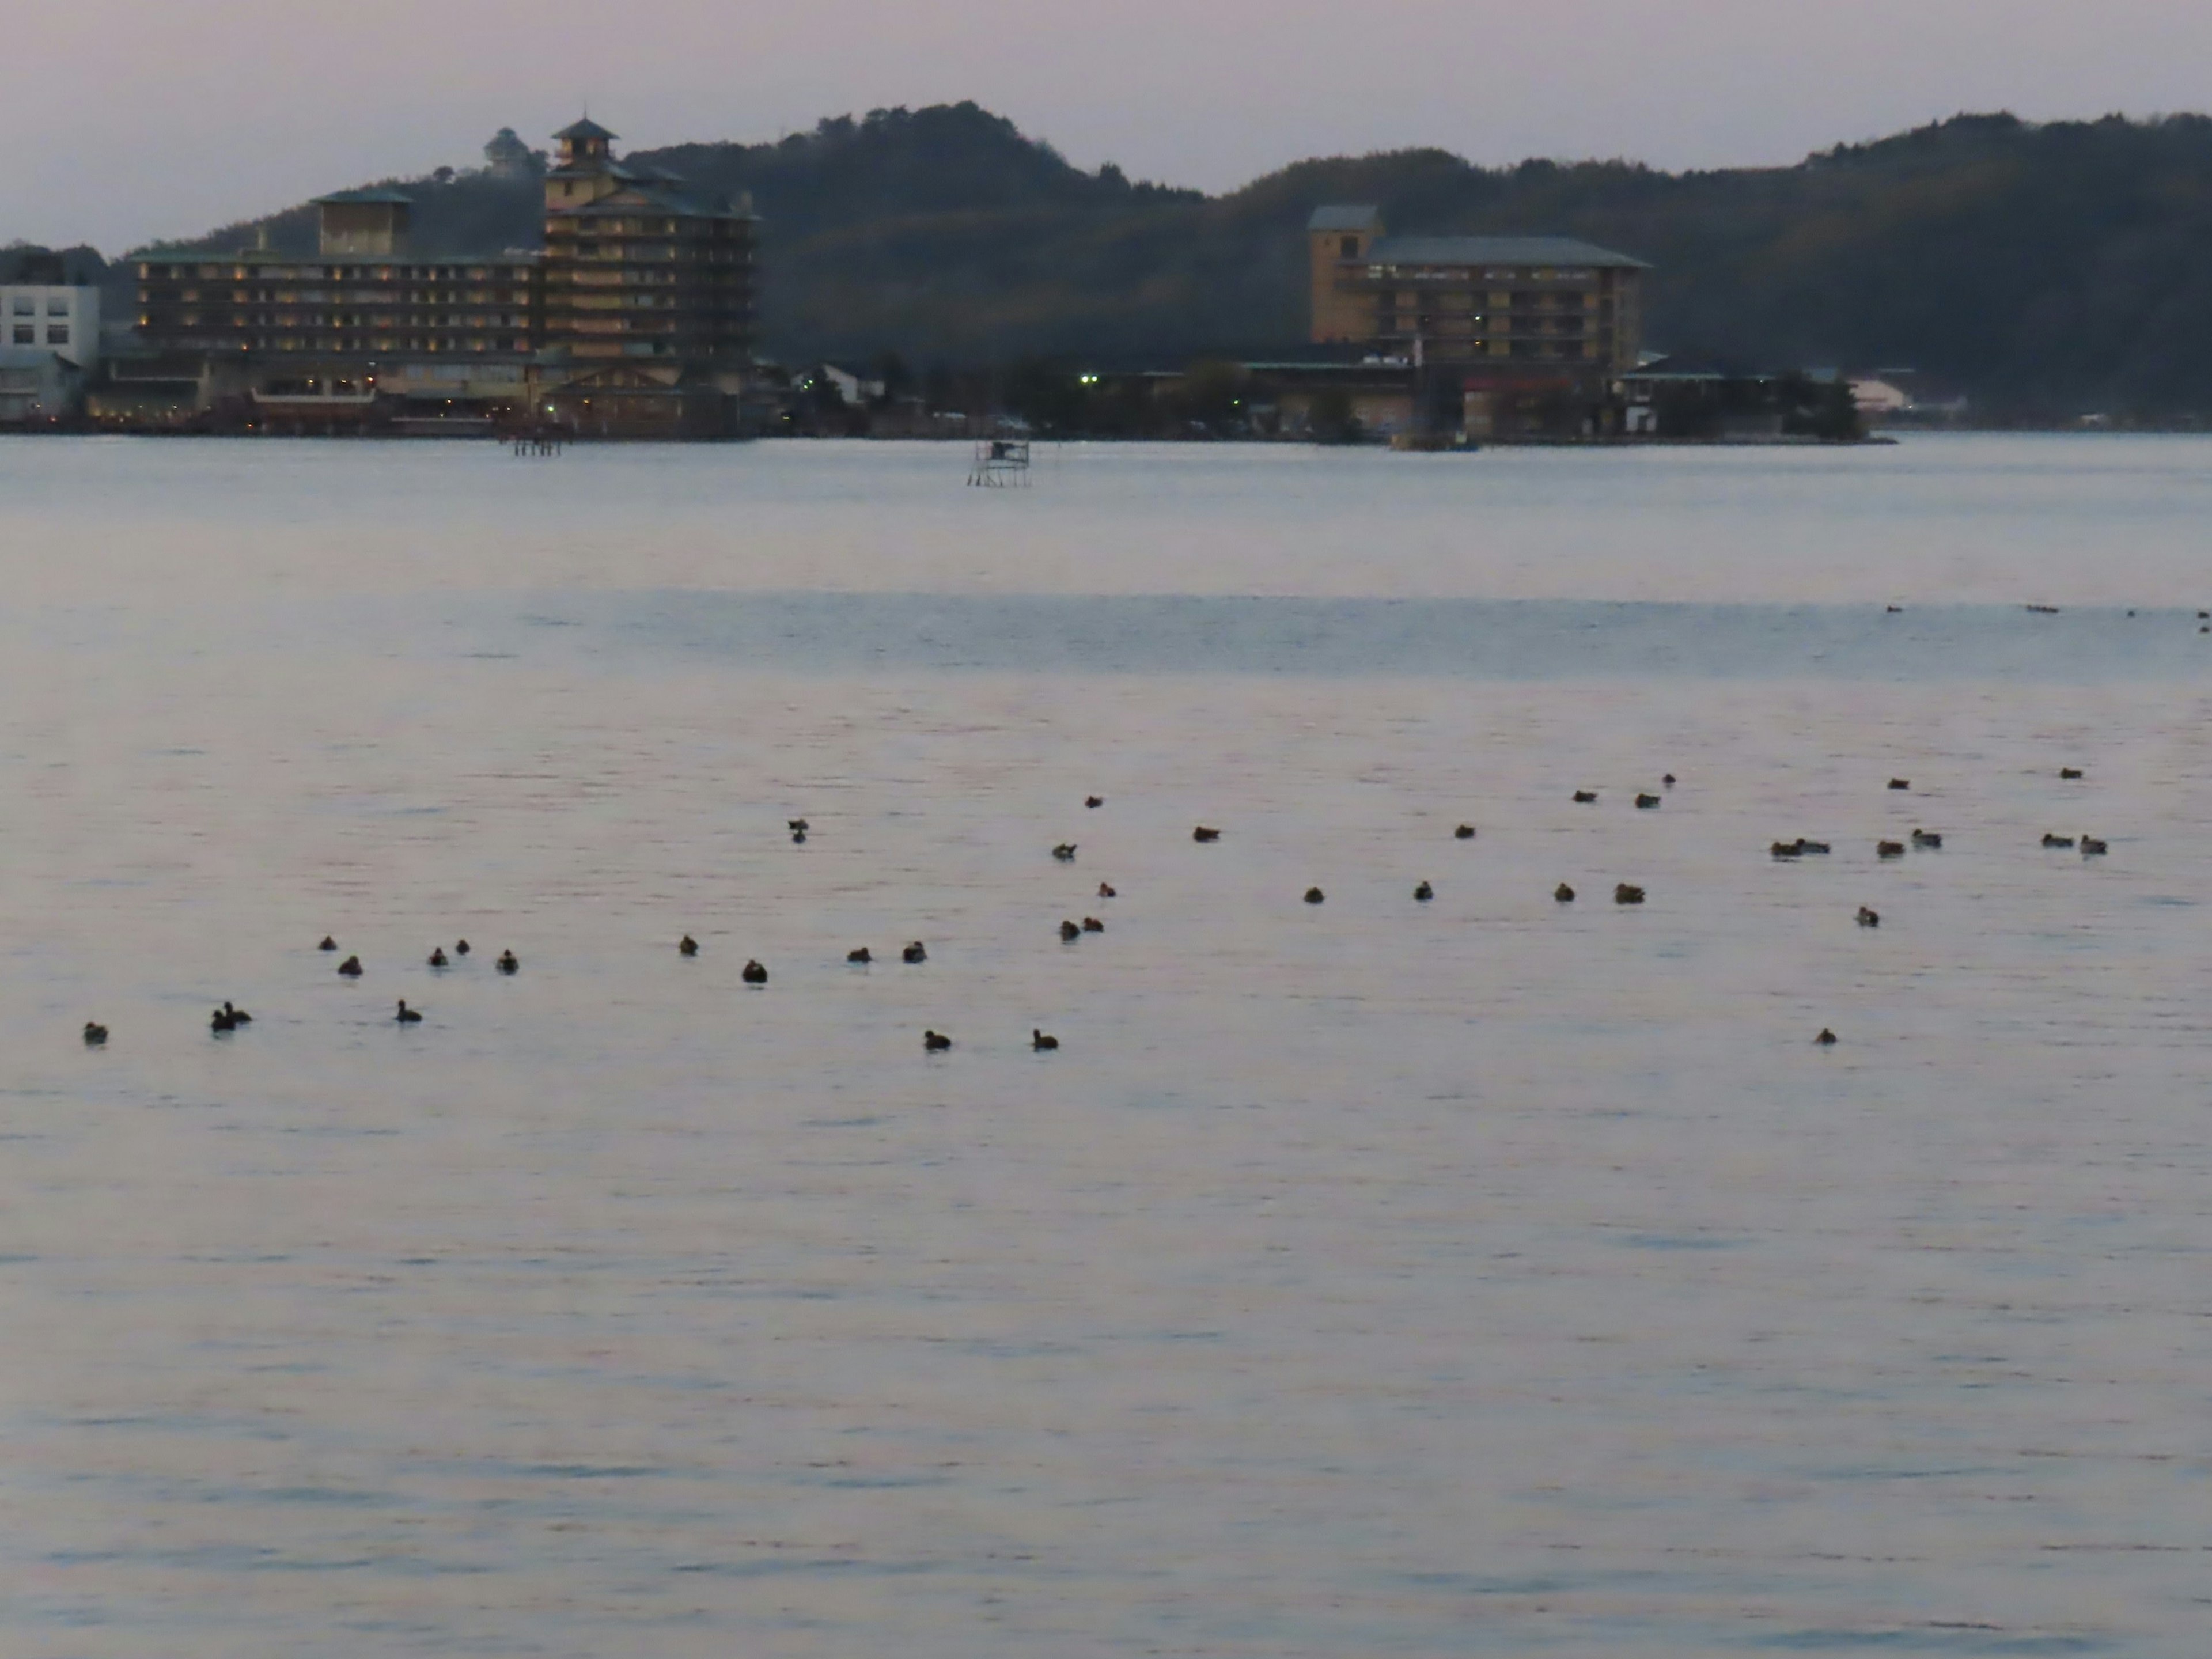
[128, 119]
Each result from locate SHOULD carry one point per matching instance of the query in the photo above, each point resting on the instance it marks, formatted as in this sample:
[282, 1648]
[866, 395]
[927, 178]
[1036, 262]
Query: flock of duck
[229, 1018]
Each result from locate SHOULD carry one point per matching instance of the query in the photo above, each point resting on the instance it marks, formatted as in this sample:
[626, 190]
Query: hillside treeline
[2045, 269]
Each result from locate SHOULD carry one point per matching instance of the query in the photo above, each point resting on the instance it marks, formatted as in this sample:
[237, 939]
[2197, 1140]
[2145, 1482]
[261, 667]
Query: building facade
[639, 289]
[1533, 331]
[49, 344]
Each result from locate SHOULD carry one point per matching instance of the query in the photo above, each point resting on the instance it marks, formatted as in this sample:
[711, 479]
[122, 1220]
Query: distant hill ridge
[2046, 268]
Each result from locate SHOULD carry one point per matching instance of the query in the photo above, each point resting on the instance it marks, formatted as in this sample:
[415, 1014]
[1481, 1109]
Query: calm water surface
[1486, 1277]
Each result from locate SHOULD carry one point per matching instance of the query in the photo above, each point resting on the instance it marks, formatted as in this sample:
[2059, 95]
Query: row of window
[27, 334]
[355, 273]
[26, 305]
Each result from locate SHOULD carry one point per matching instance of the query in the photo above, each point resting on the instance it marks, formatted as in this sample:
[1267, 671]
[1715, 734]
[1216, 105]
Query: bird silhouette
[754, 974]
[1424, 893]
[934, 1043]
[508, 962]
[861, 956]
[1041, 1042]
[407, 1015]
[351, 967]
[438, 956]
[914, 952]
[687, 946]
[95, 1034]
[1204, 834]
[1564, 894]
[1625, 894]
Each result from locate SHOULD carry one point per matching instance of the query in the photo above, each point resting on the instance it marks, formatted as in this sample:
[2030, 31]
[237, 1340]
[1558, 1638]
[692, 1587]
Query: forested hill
[2049, 267]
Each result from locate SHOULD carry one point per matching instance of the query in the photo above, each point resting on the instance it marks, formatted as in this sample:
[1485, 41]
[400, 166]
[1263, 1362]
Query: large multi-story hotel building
[1518, 334]
[636, 317]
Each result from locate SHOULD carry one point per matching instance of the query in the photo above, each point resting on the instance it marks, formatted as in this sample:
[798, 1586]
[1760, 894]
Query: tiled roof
[1346, 218]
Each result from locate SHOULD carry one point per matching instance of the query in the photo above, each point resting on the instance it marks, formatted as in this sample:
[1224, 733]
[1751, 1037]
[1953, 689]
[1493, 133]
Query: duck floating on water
[754, 974]
[1889, 849]
[797, 826]
[1105, 890]
[2070, 773]
[1668, 780]
[1826, 1039]
[1204, 834]
[2092, 847]
[438, 956]
[1585, 797]
[219, 1023]
[351, 967]
[1041, 1042]
[862, 956]
[687, 946]
[1424, 893]
[238, 1016]
[1647, 803]
[1092, 925]
[1065, 852]
[1900, 783]
[1315, 895]
[2050, 840]
[1069, 933]
[1788, 849]
[1869, 918]
[328, 944]
[1564, 894]
[1626, 894]
[1094, 802]
[935, 1042]
[914, 952]
[407, 1015]
[95, 1034]
[1927, 838]
[461, 948]
[1465, 832]
[508, 962]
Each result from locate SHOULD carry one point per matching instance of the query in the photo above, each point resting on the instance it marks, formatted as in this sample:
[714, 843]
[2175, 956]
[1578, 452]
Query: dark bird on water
[1204, 834]
[1041, 1042]
[1647, 802]
[1900, 783]
[799, 838]
[1869, 918]
[461, 948]
[1106, 890]
[1584, 797]
[1424, 893]
[1564, 894]
[219, 1022]
[1788, 849]
[1826, 1039]
[438, 956]
[1625, 894]
[95, 1034]
[1668, 780]
[507, 962]
[1889, 849]
[1069, 933]
[935, 1042]
[862, 956]
[1065, 852]
[1465, 832]
[1094, 801]
[351, 967]
[328, 944]
[913, 952]
[2092, 847]
[238, 1016]
[2057, 840]
[754, 974]
[407, 1015]
[687, 946]
[797, 826]
[1927, 838]
[1092, 925]
[1893, 610]
[1315, 895]
[2069, 772]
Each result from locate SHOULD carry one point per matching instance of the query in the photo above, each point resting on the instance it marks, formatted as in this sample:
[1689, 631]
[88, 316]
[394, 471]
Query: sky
[127, 120]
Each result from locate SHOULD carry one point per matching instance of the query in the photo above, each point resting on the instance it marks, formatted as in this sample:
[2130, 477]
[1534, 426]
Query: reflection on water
[1491, 1275]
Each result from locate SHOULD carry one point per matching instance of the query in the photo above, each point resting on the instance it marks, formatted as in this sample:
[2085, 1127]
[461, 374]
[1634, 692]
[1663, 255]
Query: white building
[49, 343]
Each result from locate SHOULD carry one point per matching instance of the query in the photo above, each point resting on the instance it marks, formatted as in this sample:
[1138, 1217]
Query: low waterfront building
[49, 346]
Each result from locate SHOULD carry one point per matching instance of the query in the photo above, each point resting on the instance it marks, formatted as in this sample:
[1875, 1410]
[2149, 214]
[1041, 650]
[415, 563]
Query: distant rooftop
[586, 128]
[376, 196]
[1497, 250]
[1346, 218]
